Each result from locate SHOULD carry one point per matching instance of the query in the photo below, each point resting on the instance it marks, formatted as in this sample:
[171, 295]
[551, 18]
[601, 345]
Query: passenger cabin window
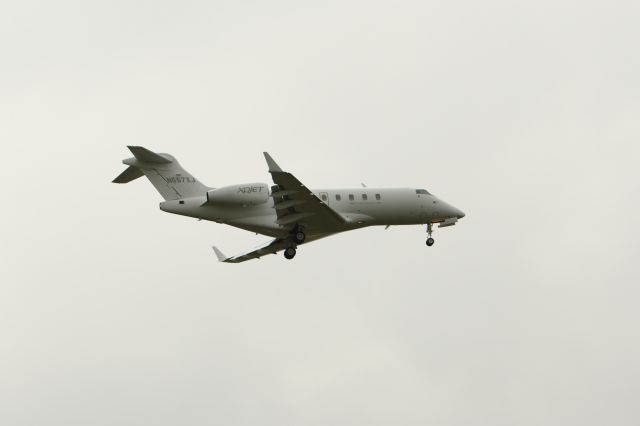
[351, 197]
[364, 197]
[324, 197]
[338, 197]
[378, 197]
[422, 191]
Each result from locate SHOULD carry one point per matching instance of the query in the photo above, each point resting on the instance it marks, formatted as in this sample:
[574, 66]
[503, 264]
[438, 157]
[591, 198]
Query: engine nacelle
[249, 194]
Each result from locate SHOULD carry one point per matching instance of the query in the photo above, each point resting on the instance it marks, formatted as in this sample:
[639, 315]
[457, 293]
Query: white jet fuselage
[360, 207]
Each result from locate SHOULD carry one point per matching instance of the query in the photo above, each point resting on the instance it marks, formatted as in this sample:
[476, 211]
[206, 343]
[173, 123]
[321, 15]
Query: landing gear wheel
[290, 253]
[299, 237]
[430, 240]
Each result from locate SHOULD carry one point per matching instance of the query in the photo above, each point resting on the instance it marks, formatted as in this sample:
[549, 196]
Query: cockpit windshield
[422, 191]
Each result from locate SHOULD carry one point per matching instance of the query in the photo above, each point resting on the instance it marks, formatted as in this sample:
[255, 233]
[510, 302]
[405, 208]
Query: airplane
[288, 210]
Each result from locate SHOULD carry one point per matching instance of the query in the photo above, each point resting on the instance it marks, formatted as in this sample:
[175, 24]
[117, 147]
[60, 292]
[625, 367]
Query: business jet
[288, 211]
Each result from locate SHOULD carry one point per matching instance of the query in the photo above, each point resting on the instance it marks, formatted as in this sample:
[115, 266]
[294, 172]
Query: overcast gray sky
[523, 114]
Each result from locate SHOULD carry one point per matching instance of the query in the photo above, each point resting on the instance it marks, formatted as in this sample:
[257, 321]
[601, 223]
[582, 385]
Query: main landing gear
[296, 237]
[290, 253]
[299, 237]
[430, 240]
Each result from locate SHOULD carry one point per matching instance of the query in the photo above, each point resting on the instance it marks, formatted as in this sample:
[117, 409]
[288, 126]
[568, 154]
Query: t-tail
[163, 171]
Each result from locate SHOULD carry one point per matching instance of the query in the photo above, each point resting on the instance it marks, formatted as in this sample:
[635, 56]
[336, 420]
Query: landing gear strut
[430, 240]
[290, 253]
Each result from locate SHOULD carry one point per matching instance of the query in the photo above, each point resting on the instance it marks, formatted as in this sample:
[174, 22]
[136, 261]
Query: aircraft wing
[295, 203]
[271, 247]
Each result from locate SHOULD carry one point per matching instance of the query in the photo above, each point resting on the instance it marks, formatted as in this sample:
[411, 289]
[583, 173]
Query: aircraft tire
[290, 253]
[430, 241]
[299, 237]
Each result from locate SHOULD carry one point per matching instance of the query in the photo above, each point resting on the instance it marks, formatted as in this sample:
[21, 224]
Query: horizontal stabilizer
[143, 154]
[130, 173]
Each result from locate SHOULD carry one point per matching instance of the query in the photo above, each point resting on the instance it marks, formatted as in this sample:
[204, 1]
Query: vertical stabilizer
[164, 172]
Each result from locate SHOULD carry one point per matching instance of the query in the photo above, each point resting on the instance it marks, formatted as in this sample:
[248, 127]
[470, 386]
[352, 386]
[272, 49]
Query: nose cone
[447, 211]
[454, 212]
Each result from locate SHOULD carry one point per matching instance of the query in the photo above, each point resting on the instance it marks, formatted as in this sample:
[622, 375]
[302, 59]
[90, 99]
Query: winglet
[219, 254]
[273, 166]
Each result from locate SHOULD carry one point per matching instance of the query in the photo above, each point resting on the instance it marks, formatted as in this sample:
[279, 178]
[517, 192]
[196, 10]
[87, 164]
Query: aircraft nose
[450, 212]
[456, 212]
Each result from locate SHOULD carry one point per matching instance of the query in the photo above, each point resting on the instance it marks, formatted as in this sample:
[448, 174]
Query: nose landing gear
[430, 241]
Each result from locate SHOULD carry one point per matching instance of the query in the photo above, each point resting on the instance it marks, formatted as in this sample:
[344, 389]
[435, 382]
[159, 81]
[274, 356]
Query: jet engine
[250, 194]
